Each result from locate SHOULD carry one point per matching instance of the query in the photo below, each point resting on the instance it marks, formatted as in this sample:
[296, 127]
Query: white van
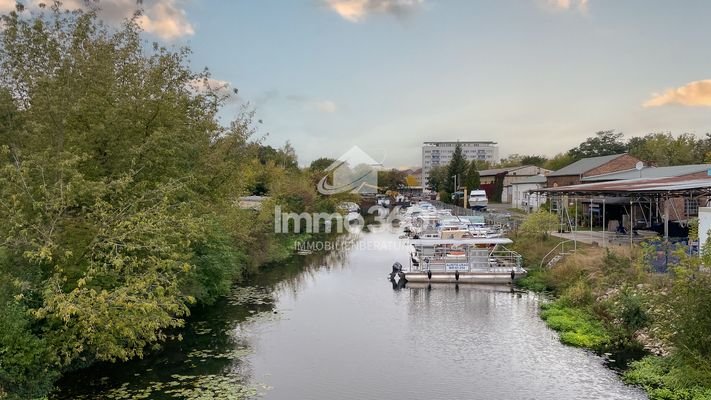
[478, 200]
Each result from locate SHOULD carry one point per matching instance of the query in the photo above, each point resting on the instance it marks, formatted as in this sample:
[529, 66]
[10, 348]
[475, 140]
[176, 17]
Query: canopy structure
[471, 242]
[648, 191]
[654, 187]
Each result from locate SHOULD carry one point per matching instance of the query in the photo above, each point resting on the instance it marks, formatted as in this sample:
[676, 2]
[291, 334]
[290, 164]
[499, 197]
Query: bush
[25, 362]
[534, 281]
[667, 378]
[538, 225]
[578, 294]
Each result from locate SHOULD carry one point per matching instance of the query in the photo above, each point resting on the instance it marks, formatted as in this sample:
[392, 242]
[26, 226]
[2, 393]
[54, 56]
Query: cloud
[166, 19]
[324, 106]
[215, 86]
[564, 5]
[7, 5]
[696, 93]
[357, 10]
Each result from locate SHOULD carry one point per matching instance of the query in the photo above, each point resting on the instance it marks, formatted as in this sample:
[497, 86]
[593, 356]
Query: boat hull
[464, 277]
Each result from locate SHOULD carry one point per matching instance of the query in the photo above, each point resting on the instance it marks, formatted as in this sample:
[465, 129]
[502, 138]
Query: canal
[331, 326]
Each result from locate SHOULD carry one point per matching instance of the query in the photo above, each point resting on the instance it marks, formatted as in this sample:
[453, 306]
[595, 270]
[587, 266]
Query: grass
[576, 327]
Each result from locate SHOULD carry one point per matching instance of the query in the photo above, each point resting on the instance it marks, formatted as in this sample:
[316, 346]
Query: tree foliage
[438, 178]
[457, 167]
[602, 144]
[473, 180]
[118, 188]
[391, 179]
[663, 149]
[539, 225]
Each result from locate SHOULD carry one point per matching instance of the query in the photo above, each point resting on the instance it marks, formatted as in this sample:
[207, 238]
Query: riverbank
[608, 301]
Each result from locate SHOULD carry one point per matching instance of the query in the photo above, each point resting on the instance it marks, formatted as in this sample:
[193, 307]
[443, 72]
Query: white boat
[478, 200]
[468, 260]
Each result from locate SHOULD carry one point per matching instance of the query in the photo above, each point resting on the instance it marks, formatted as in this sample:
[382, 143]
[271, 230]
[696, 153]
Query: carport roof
[651, 186]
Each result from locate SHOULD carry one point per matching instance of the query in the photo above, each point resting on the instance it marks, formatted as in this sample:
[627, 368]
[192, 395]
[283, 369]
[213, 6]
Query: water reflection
[327, 326]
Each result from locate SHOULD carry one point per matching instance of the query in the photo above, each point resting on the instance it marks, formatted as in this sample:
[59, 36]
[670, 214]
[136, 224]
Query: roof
[497, 171]
[437, 142]
[644, 186]
[586, 164]
[650, 172]
[531, 179]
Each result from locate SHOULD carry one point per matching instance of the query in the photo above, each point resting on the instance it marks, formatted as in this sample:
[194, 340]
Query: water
[333, 327]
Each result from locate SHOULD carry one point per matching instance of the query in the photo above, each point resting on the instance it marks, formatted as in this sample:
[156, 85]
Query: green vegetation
[538, 225]
[669, 378]
[577, 327]
[659, 148]
[607, 300]
[119, 195]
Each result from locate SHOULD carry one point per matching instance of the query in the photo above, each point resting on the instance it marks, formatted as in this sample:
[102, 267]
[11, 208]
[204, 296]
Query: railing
[562, 250]
[503, 220]
[497, 260]
[456, 210]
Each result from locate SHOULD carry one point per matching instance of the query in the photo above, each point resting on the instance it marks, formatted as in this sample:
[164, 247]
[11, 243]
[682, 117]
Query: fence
[503, 219]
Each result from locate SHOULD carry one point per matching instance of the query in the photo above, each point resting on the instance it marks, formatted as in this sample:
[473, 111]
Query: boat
[461, 260]
[478, 200]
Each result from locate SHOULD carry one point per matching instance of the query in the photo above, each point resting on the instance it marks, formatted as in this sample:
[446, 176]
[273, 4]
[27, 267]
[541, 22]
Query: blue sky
[537, 76]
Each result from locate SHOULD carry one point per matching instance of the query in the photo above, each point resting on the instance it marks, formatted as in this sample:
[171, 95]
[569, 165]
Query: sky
[536, 76]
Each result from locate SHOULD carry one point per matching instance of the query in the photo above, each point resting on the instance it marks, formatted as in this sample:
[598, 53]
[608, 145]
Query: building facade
[435, 154]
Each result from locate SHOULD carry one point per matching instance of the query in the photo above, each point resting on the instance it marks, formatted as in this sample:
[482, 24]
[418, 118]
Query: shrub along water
[606, 300]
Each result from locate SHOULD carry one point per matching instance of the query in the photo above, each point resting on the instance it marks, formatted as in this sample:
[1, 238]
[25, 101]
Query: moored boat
[465, 260]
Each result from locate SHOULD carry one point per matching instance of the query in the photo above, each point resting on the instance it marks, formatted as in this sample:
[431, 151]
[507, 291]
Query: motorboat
[461, 260]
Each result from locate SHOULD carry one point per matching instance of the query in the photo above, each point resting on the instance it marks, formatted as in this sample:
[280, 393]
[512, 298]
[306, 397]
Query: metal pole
[604, 226]
[591, 218]
[631, 224]
[575, 217]
[666, 218]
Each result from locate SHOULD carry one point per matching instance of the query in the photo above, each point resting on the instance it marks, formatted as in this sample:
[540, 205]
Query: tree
[391, 179]
[538, 161]
[559, 161]
[438, 178]
[472, 181]
[119, 193]
[663, 149]
[457, 167]
[602, 144]
[321, 164]
[539, 225]
[513, 160]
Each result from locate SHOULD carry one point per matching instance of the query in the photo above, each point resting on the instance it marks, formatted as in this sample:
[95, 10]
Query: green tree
[663, 149]
[602, 144]
[473, 180]
[559, 161]
[118, 195]
[438, 178]
[457, 167]
[536, 160]
[391, 179]
[321, 164]
[512, 160]
[539, 225]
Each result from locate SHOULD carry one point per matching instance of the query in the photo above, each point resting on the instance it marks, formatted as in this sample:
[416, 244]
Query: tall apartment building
[440, 153]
